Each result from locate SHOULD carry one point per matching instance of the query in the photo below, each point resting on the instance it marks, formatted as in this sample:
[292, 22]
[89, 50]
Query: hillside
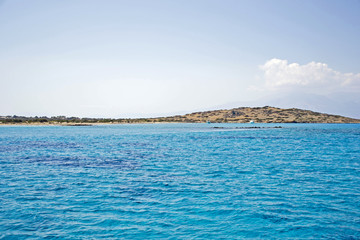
[262, 115]
[237, 115]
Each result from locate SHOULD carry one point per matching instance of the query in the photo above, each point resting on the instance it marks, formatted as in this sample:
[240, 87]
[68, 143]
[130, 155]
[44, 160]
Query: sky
[146, 58]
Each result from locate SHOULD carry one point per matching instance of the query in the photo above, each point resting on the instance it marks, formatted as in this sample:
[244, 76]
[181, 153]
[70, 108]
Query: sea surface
[180, 181]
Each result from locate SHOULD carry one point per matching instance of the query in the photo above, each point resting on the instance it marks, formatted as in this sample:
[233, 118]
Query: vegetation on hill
[268, 115]
[237, 115]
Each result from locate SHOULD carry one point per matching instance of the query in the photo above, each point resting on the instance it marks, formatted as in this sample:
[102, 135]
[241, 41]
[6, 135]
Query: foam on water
[180, 181]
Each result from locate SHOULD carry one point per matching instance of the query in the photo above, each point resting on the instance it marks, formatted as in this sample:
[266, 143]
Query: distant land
[236, 115]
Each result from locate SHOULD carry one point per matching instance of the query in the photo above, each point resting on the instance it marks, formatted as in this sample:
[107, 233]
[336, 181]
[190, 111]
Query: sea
[180, 181]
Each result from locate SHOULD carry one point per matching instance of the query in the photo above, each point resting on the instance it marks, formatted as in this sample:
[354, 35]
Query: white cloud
[312, 77]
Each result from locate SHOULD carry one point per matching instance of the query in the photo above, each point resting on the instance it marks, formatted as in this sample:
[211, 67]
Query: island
[265, 114]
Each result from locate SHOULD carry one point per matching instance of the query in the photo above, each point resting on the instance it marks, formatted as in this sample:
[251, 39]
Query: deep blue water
[180, 181]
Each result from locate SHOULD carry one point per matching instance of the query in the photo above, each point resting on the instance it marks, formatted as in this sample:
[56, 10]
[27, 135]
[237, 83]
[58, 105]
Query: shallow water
[180, 181]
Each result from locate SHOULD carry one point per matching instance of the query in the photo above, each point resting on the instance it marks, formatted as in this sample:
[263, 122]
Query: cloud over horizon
[312, 77]
[314, 86]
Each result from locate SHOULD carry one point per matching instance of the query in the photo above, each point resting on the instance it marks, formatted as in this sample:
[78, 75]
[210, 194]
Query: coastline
[148, 123]
[236, 115]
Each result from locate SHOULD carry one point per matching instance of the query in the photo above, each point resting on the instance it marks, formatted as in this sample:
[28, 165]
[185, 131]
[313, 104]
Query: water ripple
[180, 181]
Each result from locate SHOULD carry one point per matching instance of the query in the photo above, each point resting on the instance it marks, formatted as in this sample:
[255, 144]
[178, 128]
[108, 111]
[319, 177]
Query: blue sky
[149, 58]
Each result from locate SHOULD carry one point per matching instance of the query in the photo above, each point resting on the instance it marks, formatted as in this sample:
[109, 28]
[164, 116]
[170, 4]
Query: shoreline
[138, 123]
[236, 115]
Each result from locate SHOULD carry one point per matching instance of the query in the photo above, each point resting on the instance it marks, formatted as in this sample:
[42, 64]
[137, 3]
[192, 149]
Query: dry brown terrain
[237, 115]
[262, 115]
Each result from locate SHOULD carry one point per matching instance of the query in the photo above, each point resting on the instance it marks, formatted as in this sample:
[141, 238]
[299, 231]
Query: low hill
[262, 115]
[236, 115]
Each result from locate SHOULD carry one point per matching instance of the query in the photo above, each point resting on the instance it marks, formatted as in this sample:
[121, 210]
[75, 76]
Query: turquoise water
[180, 181]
